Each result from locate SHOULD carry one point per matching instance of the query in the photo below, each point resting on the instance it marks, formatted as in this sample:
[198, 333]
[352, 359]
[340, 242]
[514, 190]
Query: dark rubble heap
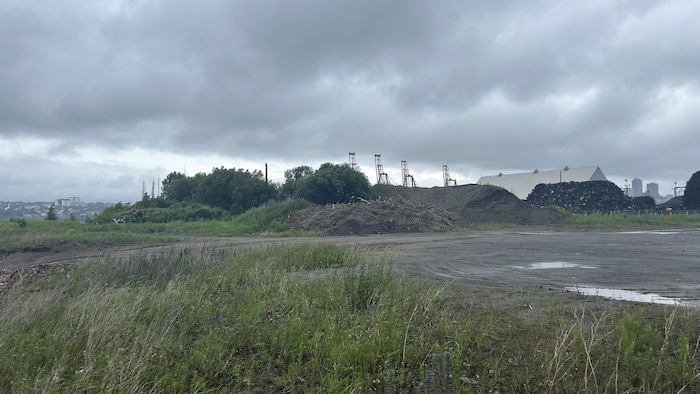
[590, 196]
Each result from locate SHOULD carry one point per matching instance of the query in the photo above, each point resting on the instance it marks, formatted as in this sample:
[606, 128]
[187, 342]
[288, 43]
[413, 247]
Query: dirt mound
[385, 216]
[475, 204]
[491, 204]
[404, 210]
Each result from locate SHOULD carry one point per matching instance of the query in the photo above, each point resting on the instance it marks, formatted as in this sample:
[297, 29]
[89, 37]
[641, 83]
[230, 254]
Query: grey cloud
[490, 85]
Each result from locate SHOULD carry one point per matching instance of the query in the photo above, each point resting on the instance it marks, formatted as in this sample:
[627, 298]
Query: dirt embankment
[405, 210]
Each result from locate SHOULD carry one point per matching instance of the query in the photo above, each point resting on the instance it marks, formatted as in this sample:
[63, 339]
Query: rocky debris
[589, 196]
[385, 216]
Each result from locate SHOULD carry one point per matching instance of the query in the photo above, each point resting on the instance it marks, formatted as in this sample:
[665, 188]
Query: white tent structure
[521, 184]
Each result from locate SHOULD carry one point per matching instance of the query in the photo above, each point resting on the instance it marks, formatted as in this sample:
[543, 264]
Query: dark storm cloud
[491, 85]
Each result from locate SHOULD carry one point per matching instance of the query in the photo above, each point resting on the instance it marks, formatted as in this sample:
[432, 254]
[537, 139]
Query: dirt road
[665, 263]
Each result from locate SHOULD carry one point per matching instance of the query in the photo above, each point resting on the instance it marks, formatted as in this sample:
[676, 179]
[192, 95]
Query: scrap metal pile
[590, 196]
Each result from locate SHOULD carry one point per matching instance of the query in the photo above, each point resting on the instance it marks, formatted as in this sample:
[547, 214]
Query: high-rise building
[653, 190]
[636, 187]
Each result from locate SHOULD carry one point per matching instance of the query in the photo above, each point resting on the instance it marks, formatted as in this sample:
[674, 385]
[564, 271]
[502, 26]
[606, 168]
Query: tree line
[237, 190]
[224, 193]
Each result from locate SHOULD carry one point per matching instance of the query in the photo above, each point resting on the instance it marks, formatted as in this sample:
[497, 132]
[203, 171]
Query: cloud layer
[97, 97]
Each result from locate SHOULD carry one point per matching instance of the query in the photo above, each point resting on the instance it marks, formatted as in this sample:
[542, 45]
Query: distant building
[637, 187]
[69, 202]
[653, 190]
[521, 184]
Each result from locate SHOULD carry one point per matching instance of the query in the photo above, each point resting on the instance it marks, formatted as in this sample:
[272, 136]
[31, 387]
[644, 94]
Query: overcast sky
[98, 97]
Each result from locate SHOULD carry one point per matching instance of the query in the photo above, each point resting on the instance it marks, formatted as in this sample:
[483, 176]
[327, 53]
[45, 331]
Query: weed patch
[246, 321]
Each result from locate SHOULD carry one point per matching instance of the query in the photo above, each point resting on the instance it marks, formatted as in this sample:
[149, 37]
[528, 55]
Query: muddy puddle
[545, 265]
[669, 232]
[626, 295]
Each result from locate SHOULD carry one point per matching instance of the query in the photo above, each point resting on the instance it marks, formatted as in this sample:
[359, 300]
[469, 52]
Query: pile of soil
[496, 205]
[590, 196]
[475, 204]
[385, 216]
[405, 210]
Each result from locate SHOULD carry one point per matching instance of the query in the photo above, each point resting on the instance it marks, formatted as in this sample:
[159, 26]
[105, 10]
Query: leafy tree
[334, 183]
[691, 195]
[293, 177]
[151, 202]
[51, 214]
[177, 186]
[234, 190]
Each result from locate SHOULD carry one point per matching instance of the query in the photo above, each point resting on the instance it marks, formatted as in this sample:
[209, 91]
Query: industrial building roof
[521, 184]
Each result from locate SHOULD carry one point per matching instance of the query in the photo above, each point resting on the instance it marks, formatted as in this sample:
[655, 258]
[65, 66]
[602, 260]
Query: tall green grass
[633, 220]
[18, 235]
[257, 321]
[272, 219]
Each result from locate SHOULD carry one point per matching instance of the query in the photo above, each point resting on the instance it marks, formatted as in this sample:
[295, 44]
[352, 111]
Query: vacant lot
[511, 263]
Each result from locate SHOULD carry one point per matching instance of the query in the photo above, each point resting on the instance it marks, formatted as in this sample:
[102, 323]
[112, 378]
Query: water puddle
[651, 232]
[546, 265]
[626, 295]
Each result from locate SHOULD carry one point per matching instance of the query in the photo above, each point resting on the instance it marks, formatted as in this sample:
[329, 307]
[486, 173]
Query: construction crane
[446, 176]
[406, 176]
[353, 161]
[382, 177]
